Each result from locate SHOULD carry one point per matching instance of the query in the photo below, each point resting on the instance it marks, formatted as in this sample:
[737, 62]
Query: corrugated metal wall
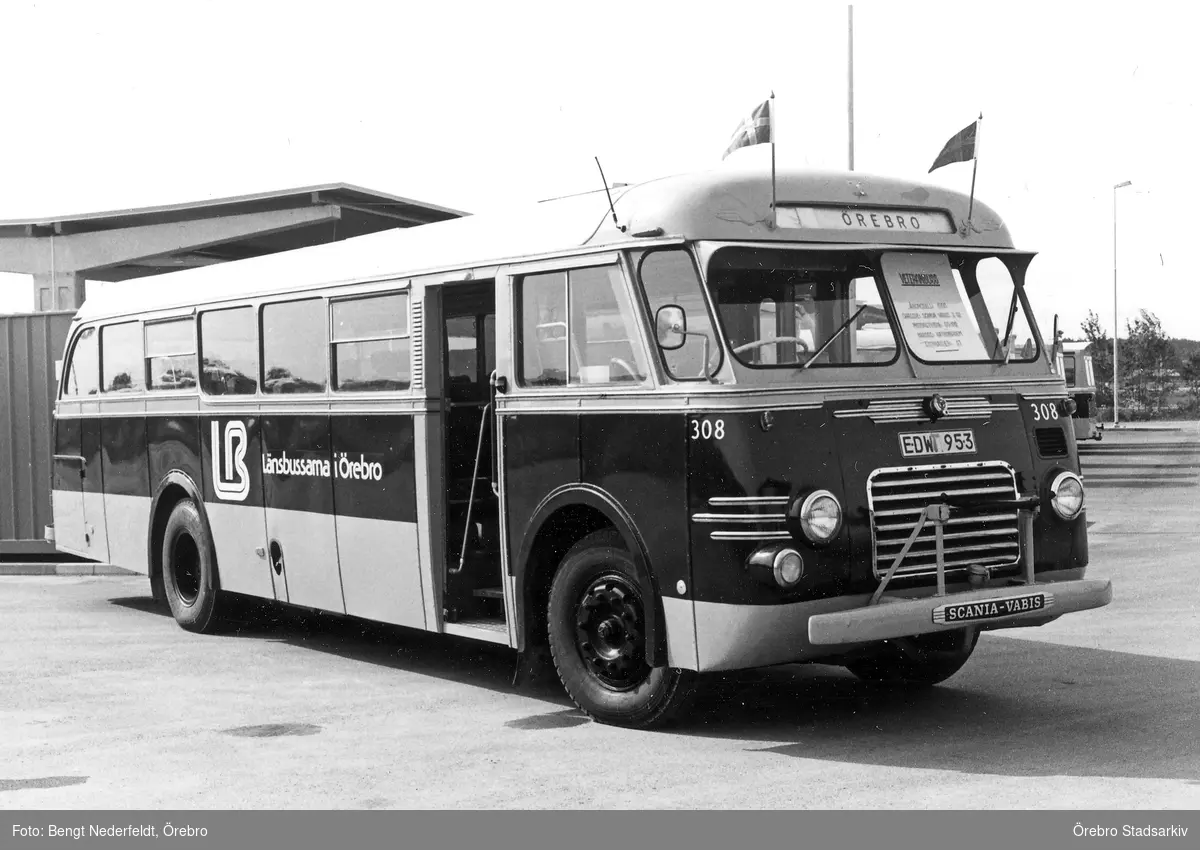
[29, 346]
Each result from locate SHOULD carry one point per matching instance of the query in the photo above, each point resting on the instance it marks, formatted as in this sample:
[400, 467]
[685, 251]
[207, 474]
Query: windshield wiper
[1012, 314]
[833, 336]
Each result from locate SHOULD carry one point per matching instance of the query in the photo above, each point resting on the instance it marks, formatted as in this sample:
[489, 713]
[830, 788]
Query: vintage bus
[1081, 386]
[692, 429]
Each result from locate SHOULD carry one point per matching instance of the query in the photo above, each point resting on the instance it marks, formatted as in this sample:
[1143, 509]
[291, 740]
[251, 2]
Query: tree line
[1159, 376]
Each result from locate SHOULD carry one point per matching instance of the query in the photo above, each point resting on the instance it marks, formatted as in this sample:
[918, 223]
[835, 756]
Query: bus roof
[730, 202]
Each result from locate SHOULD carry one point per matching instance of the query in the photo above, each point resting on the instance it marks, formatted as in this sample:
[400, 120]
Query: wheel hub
[610, 634]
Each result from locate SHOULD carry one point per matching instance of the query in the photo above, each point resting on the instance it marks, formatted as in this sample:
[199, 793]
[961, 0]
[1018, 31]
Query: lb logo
[231, 479]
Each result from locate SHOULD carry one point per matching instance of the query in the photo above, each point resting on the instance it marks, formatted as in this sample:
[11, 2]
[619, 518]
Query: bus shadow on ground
[446, 657]
[1019, 708]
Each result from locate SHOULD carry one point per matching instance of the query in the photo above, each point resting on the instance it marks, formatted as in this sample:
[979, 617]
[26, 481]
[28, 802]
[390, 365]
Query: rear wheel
[189, 570]
[597, 633]
[919, 661]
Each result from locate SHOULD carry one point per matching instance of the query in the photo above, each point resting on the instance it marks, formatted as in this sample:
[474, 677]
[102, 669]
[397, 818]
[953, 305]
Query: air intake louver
[1051, 442]
[418, 345]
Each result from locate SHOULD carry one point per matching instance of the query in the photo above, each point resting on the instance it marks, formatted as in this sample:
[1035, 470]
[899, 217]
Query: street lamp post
[1116, 327]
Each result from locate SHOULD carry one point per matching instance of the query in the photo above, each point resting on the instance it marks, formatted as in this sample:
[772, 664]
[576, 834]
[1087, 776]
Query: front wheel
[920, 661]
[189, 570]
[597, 633]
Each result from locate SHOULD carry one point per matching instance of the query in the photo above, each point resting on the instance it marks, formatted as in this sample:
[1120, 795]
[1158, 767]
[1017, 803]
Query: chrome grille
[897, 495]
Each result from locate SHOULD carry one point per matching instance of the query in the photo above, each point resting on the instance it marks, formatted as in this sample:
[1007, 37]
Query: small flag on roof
[963, 146]
[754, 129]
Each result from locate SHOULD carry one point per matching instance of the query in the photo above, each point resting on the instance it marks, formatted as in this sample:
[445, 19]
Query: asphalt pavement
[106, 703]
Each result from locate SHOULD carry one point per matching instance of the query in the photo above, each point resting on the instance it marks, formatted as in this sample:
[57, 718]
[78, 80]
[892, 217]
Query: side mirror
[670, 327]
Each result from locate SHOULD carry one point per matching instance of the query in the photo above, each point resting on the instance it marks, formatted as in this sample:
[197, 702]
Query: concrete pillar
[57, 292]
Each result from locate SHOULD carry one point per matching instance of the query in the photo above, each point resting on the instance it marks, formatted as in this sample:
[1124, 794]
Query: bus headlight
[820, 516]
[1066, 495]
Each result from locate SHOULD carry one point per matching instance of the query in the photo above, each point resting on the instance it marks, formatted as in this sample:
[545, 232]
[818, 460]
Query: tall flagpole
[850, 73]
[771, 131]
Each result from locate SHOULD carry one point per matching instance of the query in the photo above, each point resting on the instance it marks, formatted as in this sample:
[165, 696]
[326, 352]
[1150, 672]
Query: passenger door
[474, 552]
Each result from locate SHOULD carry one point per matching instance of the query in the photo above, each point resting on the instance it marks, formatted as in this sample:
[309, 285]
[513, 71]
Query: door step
[488, 592]
[490, 630]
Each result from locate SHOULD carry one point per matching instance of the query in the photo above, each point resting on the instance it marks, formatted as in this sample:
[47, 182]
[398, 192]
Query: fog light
[1066, 495]
[820, 516]
[788, 567]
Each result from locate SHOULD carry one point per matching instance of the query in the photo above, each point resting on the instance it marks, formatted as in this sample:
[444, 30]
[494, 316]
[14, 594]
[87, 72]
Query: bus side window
[82, 377]
[229, 352]
[578, 328]
[371, 343]
[543, 343]
[605, 345]
[294, 358]
[121, 358]
[171, 355]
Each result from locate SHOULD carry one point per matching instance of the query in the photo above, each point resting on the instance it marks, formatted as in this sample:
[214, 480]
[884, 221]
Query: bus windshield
[789, 308]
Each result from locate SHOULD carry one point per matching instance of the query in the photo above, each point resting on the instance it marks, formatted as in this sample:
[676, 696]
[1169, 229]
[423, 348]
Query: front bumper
[898, 616]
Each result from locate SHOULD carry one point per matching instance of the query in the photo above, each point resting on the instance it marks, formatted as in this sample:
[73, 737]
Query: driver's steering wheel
[624, 364]
[763, 343]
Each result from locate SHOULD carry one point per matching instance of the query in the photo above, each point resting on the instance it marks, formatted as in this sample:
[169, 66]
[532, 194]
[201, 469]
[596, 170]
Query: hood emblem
[935, 407]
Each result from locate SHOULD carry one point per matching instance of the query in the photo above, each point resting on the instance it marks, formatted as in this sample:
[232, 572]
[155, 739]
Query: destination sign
[870, 219]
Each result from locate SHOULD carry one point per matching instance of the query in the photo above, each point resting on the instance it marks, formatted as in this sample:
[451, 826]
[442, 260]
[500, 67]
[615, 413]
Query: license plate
[924, 443]
[991, 609]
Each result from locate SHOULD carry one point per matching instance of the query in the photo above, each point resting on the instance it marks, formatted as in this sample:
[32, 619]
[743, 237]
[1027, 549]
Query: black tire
[189, 571]
[920, 661]
[596, 629]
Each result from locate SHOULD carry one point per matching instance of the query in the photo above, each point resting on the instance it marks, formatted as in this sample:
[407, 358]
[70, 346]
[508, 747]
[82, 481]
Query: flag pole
[974, 167]
[771, 130]
[850, 74]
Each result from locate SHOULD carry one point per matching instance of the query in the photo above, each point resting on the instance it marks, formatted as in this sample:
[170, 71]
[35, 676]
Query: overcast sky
[115, 104]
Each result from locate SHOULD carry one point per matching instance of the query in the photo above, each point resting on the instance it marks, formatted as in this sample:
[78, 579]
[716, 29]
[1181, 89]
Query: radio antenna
[610, 200]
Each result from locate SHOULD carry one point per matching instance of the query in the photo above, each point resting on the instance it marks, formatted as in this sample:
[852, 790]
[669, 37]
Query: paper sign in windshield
[936, 322]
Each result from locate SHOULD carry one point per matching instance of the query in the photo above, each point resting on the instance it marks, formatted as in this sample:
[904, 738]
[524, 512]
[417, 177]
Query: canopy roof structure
[63, 251]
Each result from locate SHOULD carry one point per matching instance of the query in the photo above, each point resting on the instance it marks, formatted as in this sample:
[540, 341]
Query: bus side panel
[743, 619]
[541, 454]
[1058, 544]
[126, 490]
[173, 444]
[93, 489]
[299, 504]
[69, 522]
[374, 495]
[641, 460]
[237, 519]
